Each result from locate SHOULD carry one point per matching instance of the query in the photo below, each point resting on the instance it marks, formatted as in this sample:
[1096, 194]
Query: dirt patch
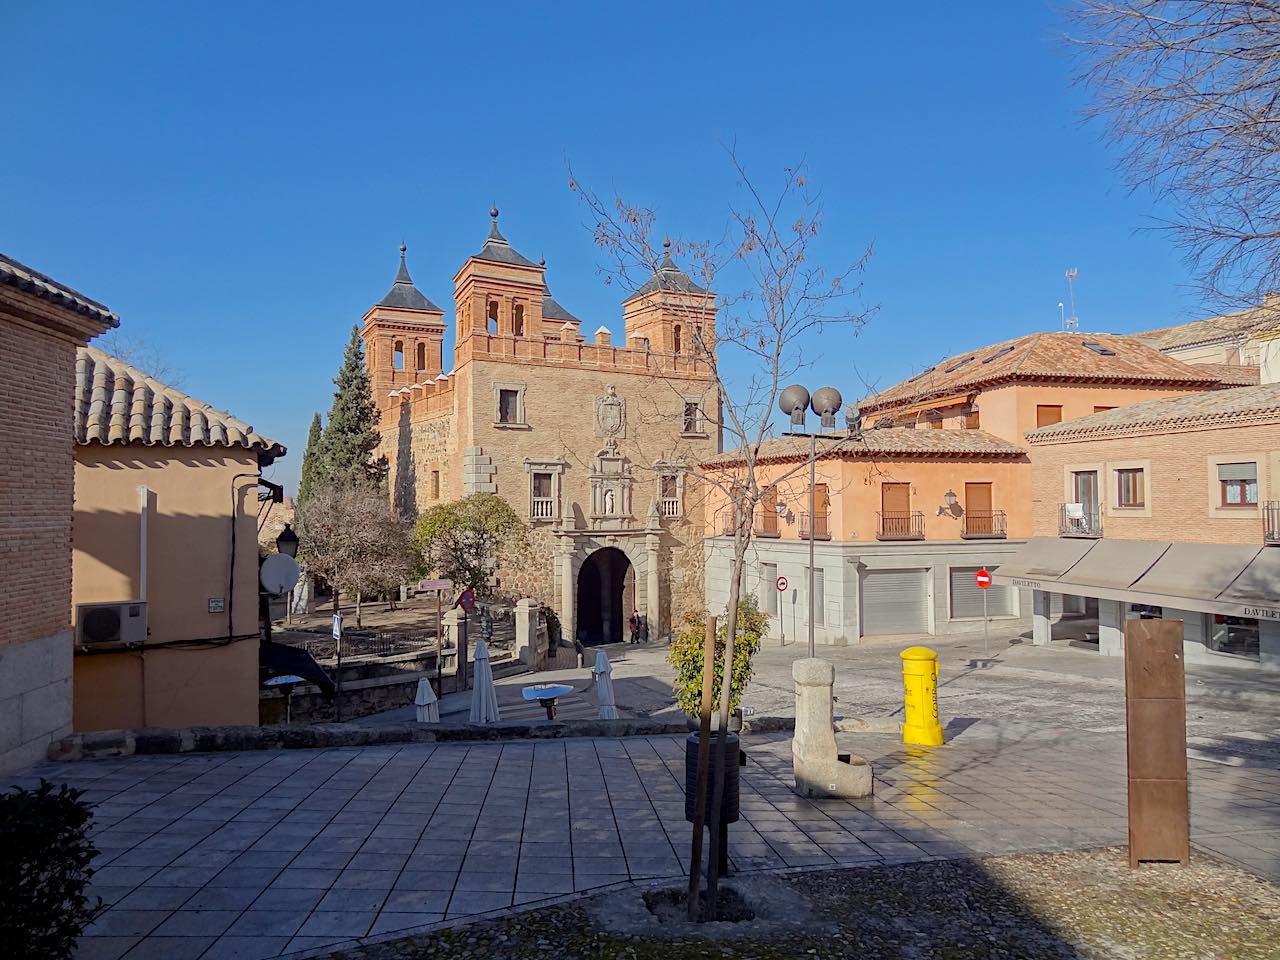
[672, 906]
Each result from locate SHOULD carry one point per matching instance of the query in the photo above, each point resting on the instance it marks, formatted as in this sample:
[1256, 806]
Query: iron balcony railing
[543, 508]
[1079, 520]
[766, 522]
[819, 529]
[983, 525]
[1271, 523]
[899, 525]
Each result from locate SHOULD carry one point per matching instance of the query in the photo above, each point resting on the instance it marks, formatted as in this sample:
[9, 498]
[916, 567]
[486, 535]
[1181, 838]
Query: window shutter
[1238, 471]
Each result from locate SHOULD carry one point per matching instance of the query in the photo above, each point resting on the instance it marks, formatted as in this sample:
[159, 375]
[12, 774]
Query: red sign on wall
[982, 578]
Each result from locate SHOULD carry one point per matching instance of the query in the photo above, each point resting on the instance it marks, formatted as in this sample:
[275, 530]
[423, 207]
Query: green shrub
[45, 854]
[686, 657]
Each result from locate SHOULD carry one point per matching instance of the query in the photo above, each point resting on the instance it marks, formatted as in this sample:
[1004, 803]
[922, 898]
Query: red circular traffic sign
[982, 578]
[467, 600]
[781, 584]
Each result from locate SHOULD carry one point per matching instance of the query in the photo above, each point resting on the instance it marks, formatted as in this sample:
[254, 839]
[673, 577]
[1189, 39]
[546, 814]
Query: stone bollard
[531, 652]
[820, 771]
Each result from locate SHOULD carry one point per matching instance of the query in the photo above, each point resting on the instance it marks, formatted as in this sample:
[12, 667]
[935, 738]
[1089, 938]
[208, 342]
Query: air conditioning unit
[124, 623]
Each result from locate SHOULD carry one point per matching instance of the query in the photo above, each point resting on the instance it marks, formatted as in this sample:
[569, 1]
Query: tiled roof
[667, 277]
[883, 442]
[1043, 357]
[15, 274]
[403, 294]
[1211, 329]
[1230, 374]
[1241, 404]
[118, 403]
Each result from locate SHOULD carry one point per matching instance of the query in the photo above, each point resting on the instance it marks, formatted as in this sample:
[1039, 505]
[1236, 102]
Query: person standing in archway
[634, 622]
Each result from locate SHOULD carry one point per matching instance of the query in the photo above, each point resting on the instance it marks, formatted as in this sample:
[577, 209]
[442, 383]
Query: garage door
[895, 601]
[966, 596]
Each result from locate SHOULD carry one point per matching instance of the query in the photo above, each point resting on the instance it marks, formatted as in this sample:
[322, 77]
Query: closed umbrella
[484, 697]
[602, 674]
[427, 702]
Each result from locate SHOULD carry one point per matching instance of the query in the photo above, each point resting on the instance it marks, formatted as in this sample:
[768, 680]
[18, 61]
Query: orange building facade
[589, 440]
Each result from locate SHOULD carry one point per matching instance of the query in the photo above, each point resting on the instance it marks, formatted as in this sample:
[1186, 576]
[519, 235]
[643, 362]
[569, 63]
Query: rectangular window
[692, 416]
[769, 587]
[435, 484]
[1239, 484]
[971, 420]
[508, 406]
[669, 495]
[768, 525]
[1048, 414]
[542, 495]
[819, 597]
[1130, 488]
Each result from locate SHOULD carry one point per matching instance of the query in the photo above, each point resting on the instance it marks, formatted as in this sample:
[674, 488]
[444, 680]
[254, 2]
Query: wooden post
[704, 753]
[1155, 714]
[439, 643]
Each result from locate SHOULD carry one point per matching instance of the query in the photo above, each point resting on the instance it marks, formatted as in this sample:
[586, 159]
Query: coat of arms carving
[611, 413]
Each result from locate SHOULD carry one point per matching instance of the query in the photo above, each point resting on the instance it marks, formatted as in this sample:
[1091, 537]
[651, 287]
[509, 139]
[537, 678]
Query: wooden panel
[895, 497]
[1153, 662]
[977, 497]
[1162, 757]
[1159, 828]
[1047, 415]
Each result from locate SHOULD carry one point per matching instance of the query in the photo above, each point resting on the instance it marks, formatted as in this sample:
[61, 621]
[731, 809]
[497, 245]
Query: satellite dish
[278, 573]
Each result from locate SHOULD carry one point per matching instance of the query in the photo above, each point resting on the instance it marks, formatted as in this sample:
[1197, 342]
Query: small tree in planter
[686, 656]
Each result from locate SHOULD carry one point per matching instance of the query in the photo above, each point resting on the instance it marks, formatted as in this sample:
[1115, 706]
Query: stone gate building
[586, 439]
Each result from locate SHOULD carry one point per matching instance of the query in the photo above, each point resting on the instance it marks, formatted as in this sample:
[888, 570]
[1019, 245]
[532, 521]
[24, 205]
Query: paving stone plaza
[264, 854]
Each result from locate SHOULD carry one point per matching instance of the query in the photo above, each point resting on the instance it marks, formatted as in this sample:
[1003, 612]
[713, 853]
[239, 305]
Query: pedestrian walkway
[246, 855]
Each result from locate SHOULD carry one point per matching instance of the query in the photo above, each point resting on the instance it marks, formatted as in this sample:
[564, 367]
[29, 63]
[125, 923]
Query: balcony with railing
[1271, 523]
[983, 525]
[669, 506]
[726, 524]
[1079, 520]
[899, 525]
[542, 508]
[766, 524]
[818, 529]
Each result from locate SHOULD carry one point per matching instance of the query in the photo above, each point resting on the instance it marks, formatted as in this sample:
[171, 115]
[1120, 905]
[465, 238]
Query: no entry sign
[982, 578]
[781, 584]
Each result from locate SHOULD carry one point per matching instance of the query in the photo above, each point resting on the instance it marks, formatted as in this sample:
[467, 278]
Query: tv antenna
[1073, 321]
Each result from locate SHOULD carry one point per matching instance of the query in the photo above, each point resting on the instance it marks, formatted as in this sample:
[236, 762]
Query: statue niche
[610, 489]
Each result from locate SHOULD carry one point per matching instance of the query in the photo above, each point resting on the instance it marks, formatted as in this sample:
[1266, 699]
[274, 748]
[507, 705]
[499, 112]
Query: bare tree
[751, 338]
[350, 535]
[1190, 93]
[138, 352]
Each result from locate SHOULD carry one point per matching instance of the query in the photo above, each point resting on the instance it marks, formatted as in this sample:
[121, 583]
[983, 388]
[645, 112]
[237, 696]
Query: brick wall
[1181, 501]
[37, 385]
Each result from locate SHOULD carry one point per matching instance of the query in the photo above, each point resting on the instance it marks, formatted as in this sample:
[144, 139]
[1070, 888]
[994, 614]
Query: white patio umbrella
[602, 674]
[484, 696]
[427, 702]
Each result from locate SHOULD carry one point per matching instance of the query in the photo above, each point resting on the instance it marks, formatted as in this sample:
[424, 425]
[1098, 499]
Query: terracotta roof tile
[1229, 326]
[1230, 374]
[1241, 404]
[118, 403]
[1040, 357]
[884, 442]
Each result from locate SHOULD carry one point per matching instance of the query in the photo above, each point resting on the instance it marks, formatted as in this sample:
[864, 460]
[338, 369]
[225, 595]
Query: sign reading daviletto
[1205, 604]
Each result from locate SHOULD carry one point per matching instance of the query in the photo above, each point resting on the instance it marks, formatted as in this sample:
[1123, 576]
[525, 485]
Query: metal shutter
[895, 601]
[966, 596]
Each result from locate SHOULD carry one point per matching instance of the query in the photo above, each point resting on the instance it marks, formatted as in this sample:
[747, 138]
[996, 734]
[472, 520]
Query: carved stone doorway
[606, 597]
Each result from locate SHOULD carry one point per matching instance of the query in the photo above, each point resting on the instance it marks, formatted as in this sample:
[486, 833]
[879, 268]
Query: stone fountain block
[820, 770]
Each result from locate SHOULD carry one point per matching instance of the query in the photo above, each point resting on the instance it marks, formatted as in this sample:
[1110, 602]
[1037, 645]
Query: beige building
[42, 322]
[1240, 348]
[1165, 509]
[165, 571]
[588, 439]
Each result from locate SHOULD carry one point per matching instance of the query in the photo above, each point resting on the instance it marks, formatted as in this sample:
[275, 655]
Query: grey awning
[1043, 558]
[1196, 570]
[1116, 563]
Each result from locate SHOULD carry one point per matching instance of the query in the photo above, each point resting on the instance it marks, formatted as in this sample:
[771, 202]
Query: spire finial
[403, 247]
[666, 244]
[493, 212]
[542, 262]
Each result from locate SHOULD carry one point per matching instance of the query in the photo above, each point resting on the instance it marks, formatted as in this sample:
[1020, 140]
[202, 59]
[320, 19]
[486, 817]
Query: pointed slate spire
[551, 309]
[668, 276]
[496, 249]
[403, 294]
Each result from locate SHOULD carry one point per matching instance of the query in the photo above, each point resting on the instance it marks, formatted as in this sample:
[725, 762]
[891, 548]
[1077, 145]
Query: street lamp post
[825, 402]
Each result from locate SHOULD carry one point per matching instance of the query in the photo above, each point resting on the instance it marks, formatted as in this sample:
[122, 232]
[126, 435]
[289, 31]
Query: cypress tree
[311, 472]
[351, 435]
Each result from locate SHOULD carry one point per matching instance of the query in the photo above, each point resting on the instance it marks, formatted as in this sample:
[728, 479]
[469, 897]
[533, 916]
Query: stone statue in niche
[611, 484]
[611, 414]
[610, 508]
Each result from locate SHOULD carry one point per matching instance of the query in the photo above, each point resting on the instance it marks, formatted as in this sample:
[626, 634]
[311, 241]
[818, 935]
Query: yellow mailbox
[920, 690]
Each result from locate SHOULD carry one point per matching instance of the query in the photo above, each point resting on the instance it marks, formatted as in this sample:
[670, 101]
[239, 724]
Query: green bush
[686, 657]
[45, 854]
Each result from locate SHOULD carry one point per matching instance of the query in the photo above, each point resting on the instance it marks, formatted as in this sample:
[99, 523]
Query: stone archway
[606, 595]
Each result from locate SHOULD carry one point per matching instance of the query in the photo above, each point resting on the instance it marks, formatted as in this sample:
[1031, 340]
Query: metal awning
[1042, 558]
[1235, 580]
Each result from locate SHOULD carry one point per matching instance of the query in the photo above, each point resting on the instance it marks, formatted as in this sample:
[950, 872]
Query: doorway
[606, 597]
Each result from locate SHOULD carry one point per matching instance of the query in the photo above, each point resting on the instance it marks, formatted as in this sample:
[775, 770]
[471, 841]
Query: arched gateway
[606, 596]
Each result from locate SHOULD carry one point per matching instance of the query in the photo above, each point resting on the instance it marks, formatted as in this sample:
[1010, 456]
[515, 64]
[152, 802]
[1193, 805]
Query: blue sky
[234, 179]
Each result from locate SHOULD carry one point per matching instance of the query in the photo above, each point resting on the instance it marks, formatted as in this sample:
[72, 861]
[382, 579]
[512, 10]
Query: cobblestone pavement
[259, 854]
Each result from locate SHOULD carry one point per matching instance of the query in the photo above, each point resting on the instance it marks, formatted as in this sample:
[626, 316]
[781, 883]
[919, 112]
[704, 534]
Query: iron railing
[1079, 520]
[766, 522]
[1271, 522]
[983, 525]
[819, 529]
[899, 525]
